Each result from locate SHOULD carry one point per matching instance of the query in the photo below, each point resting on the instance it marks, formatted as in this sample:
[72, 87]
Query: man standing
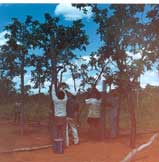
[72, 119]
[17, 111]
[94, 111]
[59, 104]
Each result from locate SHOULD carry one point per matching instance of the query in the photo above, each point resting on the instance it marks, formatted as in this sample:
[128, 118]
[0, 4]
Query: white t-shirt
[59, 105]
[94, 109]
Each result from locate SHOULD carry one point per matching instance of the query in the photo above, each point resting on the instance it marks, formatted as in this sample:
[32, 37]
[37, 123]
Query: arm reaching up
[53, 93]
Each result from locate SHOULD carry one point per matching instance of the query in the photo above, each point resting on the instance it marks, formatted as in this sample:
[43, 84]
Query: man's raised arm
[53, 92]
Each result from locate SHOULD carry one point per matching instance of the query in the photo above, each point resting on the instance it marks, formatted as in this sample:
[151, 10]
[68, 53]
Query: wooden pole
[131, 154]
[27, 149]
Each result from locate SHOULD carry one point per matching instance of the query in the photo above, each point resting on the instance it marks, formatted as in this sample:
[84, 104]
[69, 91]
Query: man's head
[60, 95]
[94, 93]
[62, 86]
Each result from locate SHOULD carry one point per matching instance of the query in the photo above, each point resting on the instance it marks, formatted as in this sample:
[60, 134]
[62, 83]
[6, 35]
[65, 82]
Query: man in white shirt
[59, 102]
[94, 111]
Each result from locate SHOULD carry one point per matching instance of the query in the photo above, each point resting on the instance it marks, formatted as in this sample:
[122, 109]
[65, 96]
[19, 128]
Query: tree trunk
[103, 113]
[61, 75]
[131, 105]
[133, 128]
[74, 84]
[22, 98]
[54, 62]
[39, 84]
[39, 90]
[118, 116]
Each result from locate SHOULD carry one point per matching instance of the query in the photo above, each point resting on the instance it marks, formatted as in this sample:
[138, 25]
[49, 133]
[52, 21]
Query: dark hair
[94, 93]
[60, 95]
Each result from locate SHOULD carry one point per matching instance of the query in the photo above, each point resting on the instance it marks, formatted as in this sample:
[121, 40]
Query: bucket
[59, 145]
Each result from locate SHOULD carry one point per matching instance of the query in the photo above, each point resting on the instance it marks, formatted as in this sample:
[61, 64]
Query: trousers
[70, 124]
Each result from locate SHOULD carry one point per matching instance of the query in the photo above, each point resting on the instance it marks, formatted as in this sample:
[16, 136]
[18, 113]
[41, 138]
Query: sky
[67, 14]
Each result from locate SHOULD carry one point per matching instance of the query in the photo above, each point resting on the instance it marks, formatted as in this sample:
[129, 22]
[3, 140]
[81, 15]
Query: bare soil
[89, 149]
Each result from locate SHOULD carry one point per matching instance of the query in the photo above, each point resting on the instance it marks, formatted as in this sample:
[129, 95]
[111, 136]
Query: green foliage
[55, 40]
[124, 32]
[38, 74]
[15, 51]
[57, 43]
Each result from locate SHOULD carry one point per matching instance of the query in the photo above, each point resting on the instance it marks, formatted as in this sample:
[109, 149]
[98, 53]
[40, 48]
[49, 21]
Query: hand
[69, 119]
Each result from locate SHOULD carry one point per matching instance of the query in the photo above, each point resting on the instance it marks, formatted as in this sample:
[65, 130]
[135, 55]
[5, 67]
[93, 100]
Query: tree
[124, 36]
[2, 65]
[75, 74]
[123, 33]
[152, 33]
[38, 74]
[7, 89]
[16, 50]
[58, 42]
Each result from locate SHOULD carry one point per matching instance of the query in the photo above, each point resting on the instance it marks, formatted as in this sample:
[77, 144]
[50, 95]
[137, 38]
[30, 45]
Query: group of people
[100, 105]
[66, 113]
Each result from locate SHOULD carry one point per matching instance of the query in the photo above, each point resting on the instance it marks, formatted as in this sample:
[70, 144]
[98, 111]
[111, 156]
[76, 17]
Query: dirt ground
[89, 149]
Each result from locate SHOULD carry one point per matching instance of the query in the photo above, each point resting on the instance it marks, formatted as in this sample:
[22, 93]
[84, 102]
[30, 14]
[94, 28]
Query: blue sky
[67, 13]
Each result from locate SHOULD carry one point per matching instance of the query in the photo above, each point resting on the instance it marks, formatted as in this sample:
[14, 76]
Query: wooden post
[22, 99]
